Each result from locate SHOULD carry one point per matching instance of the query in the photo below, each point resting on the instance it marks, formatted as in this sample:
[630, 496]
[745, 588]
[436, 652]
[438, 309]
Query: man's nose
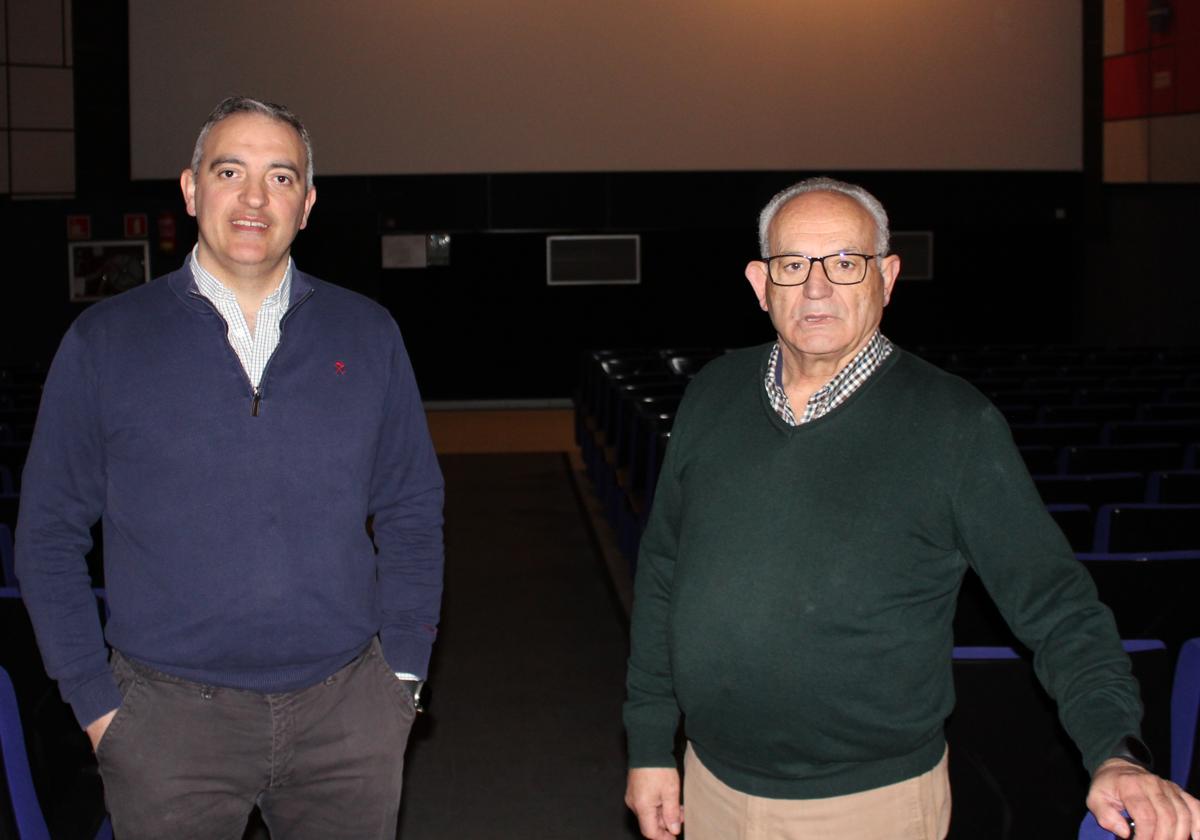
[818, 285]
[254, 193]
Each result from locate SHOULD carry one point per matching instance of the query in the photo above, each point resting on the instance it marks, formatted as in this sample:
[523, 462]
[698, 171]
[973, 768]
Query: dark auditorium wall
[1031, 257]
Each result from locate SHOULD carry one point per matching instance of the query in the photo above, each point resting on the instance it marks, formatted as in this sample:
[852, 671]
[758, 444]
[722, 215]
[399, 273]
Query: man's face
[249, 197]
[820, 321]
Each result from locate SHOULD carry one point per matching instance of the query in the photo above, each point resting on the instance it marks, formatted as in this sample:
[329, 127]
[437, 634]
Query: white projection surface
[457, 86]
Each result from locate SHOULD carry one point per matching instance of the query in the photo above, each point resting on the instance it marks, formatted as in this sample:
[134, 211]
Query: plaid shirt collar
[835, 392]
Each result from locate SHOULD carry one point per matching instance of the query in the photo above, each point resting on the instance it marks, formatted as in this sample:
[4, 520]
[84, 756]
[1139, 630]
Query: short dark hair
[231, 105]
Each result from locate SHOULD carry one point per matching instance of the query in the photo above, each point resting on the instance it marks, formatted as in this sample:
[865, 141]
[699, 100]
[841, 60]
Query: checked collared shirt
[836, 391]
[253, 349]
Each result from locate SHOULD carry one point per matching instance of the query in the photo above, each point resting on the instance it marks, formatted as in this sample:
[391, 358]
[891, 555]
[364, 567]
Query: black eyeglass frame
[821, 260]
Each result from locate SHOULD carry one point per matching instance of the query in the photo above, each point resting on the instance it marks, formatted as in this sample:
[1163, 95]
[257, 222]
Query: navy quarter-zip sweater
[796, 585]
[235, 546]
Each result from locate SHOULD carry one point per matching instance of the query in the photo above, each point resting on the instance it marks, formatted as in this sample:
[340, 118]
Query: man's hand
[653, 794]
[1159, 808]
[97, 728]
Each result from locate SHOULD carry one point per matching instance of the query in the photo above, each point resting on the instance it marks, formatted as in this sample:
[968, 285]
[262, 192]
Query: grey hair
[822, 184]
[231, 105]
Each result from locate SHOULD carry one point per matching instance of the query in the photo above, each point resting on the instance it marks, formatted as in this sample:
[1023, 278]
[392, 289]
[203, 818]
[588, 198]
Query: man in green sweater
[821, 498]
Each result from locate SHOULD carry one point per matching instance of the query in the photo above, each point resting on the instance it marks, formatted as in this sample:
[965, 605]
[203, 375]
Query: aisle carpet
[523, 737]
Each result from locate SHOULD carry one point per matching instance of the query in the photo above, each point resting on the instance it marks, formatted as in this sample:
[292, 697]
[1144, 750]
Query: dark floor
[523, 738]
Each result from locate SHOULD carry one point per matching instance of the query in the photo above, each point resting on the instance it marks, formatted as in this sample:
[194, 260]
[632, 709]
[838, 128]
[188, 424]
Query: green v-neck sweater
[796, 585]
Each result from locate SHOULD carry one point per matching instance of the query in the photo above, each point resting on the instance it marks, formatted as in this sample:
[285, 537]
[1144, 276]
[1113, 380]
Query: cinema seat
[1091, 489]
[1012, 761]
[1185, 706]
[1149, 593]
[1125, 528]
[1151, 431]
[1077, 524]
[1173, 487]
[1135, 457]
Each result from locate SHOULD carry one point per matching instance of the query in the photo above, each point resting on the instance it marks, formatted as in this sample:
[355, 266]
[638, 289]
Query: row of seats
[627, 400]
[625, 407]
[1101, 412]
[1096, 489]
[1125, 528]
[1047, 459]
[1108, 433]
[1110, 437]
[964, 359]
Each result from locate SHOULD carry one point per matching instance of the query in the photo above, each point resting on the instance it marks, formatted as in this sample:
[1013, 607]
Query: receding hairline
[825, 184]
[233, 106]
[838, 196]
[297, 166]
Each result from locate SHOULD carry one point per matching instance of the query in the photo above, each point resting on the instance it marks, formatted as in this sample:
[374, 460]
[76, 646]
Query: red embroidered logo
[340, 367]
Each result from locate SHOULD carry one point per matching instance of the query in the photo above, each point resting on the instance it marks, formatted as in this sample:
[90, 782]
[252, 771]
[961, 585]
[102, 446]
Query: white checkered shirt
[836, 391]
[253, 349]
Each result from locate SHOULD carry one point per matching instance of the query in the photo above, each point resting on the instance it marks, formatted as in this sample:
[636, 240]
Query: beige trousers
[915, 809]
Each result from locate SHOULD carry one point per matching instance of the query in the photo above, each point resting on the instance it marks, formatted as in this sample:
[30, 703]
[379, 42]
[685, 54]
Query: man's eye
[226, 173]
[283, 179]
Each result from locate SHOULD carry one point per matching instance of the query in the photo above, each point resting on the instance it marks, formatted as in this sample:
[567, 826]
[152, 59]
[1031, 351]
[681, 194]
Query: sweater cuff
[405, 654]
[93, 699]
[1094, 757]
[651, 752]
[651, 744]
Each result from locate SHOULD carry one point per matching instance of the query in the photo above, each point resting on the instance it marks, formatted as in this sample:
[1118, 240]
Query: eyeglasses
[842, 268]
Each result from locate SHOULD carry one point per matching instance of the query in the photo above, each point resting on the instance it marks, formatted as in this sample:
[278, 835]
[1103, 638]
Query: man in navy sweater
[234, 424]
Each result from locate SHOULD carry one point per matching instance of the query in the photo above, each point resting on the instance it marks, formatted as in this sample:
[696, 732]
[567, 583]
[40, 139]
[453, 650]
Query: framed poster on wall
[102, 269]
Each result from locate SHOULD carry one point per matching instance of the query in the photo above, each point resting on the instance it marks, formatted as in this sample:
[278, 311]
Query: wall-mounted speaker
[594, 260]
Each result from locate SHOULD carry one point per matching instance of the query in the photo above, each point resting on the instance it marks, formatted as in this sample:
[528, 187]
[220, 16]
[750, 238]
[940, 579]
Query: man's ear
[756, 273]
[309, 201]
[889, 267]
[187, 184]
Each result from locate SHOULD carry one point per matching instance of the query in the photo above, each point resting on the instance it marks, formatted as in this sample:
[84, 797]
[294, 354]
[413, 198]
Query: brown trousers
[185, 760]
[915, 809]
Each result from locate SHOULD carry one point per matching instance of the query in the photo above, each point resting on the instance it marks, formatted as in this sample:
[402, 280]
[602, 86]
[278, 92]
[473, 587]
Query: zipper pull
[254, 403]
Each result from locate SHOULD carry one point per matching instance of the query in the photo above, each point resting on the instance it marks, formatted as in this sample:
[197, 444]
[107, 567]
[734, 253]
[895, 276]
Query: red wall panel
[1187, 75]
[1126, 86]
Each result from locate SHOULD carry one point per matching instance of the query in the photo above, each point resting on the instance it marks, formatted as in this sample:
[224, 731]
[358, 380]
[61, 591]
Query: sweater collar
[183, 284]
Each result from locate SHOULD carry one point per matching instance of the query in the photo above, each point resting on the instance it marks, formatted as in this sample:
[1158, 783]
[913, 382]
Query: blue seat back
[27, 813]
[1185, 706]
